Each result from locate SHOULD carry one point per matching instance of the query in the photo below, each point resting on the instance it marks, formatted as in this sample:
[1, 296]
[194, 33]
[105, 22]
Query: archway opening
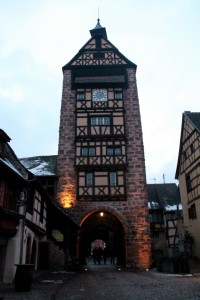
[102, 230]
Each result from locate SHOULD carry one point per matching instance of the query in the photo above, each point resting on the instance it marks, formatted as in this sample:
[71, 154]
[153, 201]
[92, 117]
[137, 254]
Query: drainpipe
[22, 211]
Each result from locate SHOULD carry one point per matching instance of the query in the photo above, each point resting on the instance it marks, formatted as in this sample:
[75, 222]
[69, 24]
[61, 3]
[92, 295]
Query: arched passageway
[104, 227]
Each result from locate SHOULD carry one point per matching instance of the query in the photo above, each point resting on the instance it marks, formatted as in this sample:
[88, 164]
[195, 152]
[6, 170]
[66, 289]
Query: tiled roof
[163, 196]
[194, 118]
[41, 165]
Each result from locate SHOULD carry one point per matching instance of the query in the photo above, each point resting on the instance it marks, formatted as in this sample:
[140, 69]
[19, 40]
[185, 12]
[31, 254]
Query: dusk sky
[38, 37]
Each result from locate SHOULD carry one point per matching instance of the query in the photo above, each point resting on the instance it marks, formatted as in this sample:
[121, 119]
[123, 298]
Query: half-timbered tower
[101, 167]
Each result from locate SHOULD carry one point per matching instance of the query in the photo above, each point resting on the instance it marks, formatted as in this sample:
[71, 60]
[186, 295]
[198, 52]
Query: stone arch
[111, 228]
[106, 209]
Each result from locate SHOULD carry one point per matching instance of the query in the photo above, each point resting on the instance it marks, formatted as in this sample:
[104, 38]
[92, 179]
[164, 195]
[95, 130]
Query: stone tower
[101, 167]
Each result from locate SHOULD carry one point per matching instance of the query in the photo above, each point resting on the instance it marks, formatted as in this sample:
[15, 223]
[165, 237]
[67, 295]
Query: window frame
[100, 120]
[113, 180]
[79, 94]
[114, 149]
[188, 183]
[118, 95]
[192, 212]
[89, 179]
[88, 151]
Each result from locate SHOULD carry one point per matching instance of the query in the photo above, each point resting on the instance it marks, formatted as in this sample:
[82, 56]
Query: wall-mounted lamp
[101, 214]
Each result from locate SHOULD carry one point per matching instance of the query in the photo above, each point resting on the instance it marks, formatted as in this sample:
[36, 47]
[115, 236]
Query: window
[192, 148]
[113, 151]
[30, 199]
[188, 183]
[192, 212]
[184, 155]
[113, 179]
[100, 121]
[89, 179]
[84, 151]
[88, 151]
[118, 95]
[91, 152]
[80, 96]
[42, 211]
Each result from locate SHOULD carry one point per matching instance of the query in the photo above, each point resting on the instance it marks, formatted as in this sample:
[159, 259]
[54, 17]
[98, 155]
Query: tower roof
[98, 30]
[99, 53]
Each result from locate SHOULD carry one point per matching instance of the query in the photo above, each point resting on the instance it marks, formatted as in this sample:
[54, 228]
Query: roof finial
[98, 30]
[98, 24]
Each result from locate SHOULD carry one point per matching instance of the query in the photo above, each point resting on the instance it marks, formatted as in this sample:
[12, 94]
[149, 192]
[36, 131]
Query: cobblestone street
[107, 282]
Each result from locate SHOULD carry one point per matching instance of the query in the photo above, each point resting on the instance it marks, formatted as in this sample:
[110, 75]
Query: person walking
[95, 255]
[112, 256]
[104, 255]
[99, 255]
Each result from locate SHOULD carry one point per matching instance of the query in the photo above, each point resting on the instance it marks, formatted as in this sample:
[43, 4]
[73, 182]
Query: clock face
[99, 95]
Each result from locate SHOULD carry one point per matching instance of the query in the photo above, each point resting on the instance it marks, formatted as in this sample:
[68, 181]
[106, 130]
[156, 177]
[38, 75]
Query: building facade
[188, 174]
[100, 163]
[23, 214]
[166, 221]
[33, 229]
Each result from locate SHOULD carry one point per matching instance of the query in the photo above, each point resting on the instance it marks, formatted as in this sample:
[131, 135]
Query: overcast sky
[38, 37]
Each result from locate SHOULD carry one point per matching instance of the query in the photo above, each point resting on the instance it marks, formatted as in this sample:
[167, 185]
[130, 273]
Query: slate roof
[163, 196]
[98, 31]
[194, 117]
[41, 165]
[8, 159]
[6, 162]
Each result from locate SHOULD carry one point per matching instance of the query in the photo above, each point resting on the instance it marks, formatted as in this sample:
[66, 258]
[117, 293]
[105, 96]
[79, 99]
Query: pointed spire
[98, 24]
[98, 30]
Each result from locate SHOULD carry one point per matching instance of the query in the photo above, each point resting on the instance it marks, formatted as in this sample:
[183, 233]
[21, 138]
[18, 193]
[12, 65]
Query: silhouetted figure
[99, 255]
[95, 254]
[104, 255]
[112, 256]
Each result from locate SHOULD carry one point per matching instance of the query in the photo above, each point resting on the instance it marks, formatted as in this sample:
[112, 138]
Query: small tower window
[118, 95]
[113, 179]
[100, 121]
[88, 151]
[113, 151]
[80, 96]
[89, 179]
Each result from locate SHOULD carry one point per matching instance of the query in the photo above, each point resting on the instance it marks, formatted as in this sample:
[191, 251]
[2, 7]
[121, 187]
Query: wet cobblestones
[107, 282]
